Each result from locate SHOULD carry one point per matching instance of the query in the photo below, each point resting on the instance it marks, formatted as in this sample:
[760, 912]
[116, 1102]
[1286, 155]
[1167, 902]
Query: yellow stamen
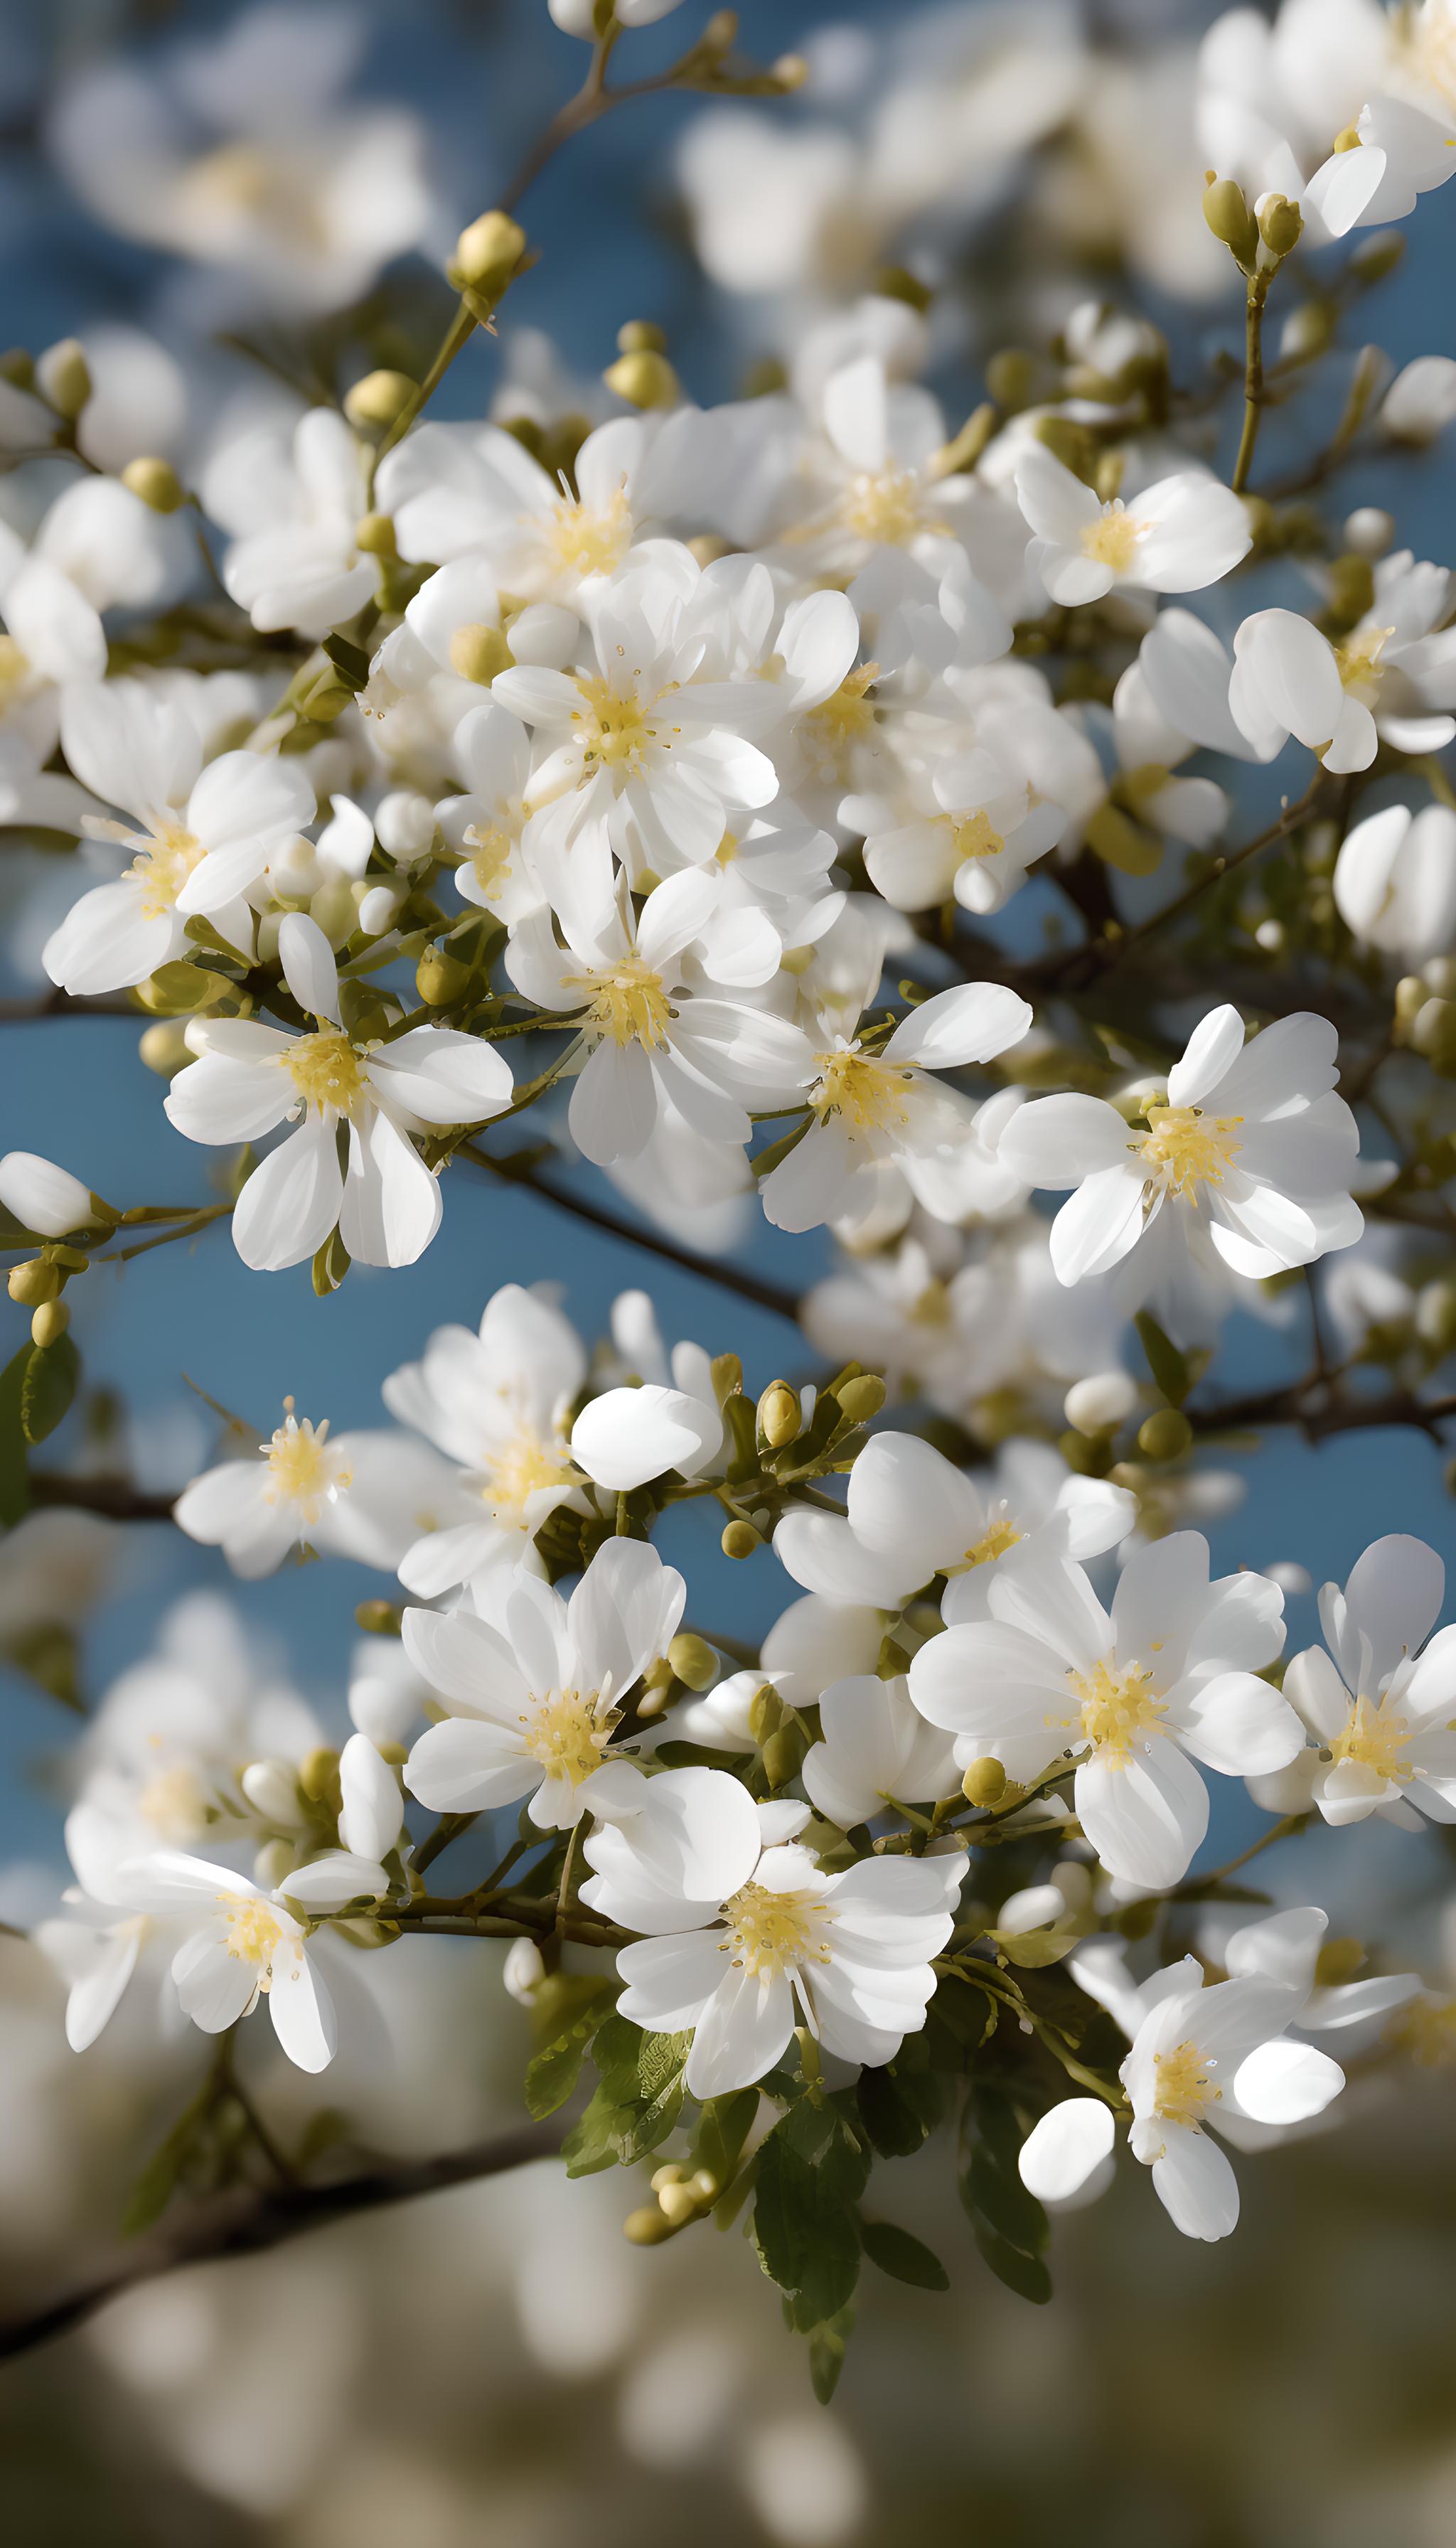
[883, 507]
[163, 866]
[1360, 668]
[254, 1932]
[15, 673]
[1183, 2091]
[1377, 1741]
[302, 1470]
[520, 1471]
[1116, 1708]
[769, 1929]
[995, 1543]
[174, 1804]
[974, 835]
[1113, 539]
[1186, 1149]
[583, 543]
[565, 1733]
[846, 718]
[870, 1094]
[630, 1003]
[491, 855]
[326, 1070]
[612, 730]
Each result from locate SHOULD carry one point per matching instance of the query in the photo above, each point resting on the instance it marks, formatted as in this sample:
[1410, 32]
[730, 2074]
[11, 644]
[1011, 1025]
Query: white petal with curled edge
[1065, 2149]
[303, 2014]
[308, 968]
[628, 1435]
[371, 1808]
[1196, 2185]
[1285, 2083]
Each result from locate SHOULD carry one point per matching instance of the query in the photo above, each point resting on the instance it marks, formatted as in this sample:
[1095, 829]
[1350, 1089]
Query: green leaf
[1124, 844]
[1026, 2275]
[812, 2169]
[47, 1388]
[348, 659]
[15, 1483]
[1010, 2225]
[1164, 1361]
[827, 2353]
[725, 2126]
[1031, 1948]
[553, 2072]
[899, 2109]
[895, 2252]
[330, 1264]
[636, 2102]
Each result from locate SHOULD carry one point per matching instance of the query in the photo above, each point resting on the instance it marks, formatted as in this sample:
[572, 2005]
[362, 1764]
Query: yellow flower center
[994, 1543]
[1360, 668]
[630, 1003]
[564, 1732]
[613, 731]
[520, 1472]
[769, 1929]
[174, 1804]
[883, 506]
[870, 1094]
[254, 1932]
[15, 673]
[932, 1307]
[302, 1469]
[1185, 1148]
[1183, 2090]
[1116, 1708]
[846, 718]
[491, 853]
[974, 835]
[326, 1070]
[1423, 46]
[1377, 1741]
[163, 866]
[583, 543]
[1426, 2029]
[1113, 539]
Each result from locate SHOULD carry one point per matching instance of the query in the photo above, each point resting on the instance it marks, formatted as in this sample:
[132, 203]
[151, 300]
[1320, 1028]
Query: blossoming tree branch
[669, 782]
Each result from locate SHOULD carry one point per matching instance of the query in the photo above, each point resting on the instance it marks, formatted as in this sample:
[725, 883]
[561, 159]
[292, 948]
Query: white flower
[911, 1514]
[875, 1749]
[293, 502]
[1395, 883]
[251, 1077]
[668, 1417]
[1398, 153]
[43, 1197]
[647, 1043]
[882, 1110]
[488, 824]
[1249, 1141]
[871, 481]
[1183, 533]
[535, 1687]
[1286, 1949]
[1381, 1712]
[198, 837]
[977, 832]
[298, 1494]
[241, 1944]
[1421, 401]
[1400, 659]
[1288, 679]
[496, 1403]
[1169, 1674]
[744, 1937]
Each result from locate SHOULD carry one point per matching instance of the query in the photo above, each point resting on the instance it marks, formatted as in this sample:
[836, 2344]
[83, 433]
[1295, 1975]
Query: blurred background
[495, 2368]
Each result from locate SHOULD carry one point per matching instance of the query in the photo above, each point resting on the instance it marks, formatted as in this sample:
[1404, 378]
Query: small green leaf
[1164, 1361]
[330, 1264]
[47, 1388]
[1124, 844]
[827, 2353]
[899, 2108]
[1033, 1947]
[553, 2072]
[725, 2126]
[895, 2252]
[1026, 2275]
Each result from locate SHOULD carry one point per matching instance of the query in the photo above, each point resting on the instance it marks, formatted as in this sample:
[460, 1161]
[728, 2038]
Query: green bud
[1086, 1456]
[860, 1399]
[644, 380]
[641, 336]
[378, 1618]
[647, 2228]
[782, 1753]
[1165, 1435]
[1410, 998]
[375, 535]
[478, 652]
[1338, 1961]
[778, 1414]
[1378, 256]
[318, 1773]
[985, 1783]
[328, 699]
[1230, 219]
[19, 368]
[486, 256]
[1011, 379]
[1280, 224]
[694, 1660]
[33, 1283]
[897, 283]
[180, 989]
[740, 1539]
[440, 977]
[726, 1372]
[49, 1324]
[1136, 1918]
[1434, 1034]
[379, 401]
[765, 1712]
[156, 483]
[63, 378]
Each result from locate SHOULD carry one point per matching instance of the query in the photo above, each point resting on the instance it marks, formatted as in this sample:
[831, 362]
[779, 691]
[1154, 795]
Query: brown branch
[245, 2222]
[1340, 1414]
[114, 1498]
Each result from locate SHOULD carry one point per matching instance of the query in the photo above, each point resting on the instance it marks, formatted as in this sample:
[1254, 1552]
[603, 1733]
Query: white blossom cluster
[765, 796]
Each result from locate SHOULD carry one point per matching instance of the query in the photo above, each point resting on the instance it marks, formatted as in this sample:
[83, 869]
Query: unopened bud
[897, 283]
[1085, 1455]
[782, 1753]
[985, 1783]
[788, 74]
[156, 483]
[1011, 378]
[33, 1283]
[1137, 1919]
[677, 2204]
[379, 401]
[1165, 1435]
[43, 1196]
[1100, 1404]
[49, 1324]
[1280, 224]
[440, 979]
[778, 1414]
[765, 1712]
[318, 1773]
[644, 380]
[1230, 219]
[63, 378]
[487, 255]
[862, 1399]
[478, 652]
[178, 989]
[378, 1618]
[1433, 1033]
[164, 1049]
[524, 1970]
[1436, 1315]
[740, 1539]
[1411, 999]
[641, 336]
[1378, 256]
[720, 32]
[19, 368]
[647, 2228]
[272, 1789]
[694, 1660]
[375, 536]
[726, 1374]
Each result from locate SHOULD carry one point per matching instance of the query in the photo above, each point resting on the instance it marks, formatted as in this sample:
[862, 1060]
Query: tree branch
[245, 2222]
[114, 1498]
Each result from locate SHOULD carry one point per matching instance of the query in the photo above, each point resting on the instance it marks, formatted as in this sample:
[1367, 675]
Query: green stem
[1253, 377]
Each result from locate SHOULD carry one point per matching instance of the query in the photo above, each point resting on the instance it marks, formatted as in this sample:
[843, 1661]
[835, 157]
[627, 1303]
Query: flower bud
[19, 368]
[49, 1322]
[860, 1399]
[179, 989]
[378, 1618]
[694, 1660]
[440, 979]
[1011, 379]
[1436, 1315]
[1369, 531]
[1377, 256]
[1165, 1435]
[726, 1374]
[782, 1753]
[524, 1970]
[379, 401]
[647, 2228]
[778, 1414]
[163, 1049]
[789, 72]
[641, 336]
[33, 1283]
[1086, 1455]
[478, 652]
[740, 1539]
[272, 1789]
[985, 1783]
[677, 2204]
[1100, 1404]
[644, 380]
[487, 255]
[405, 824]
[1433, 1033]
[1280, 224]
[318, 1773]
[43, 1197]
[379, 907]
[1230, 219]
[1411, 999]
[375, 536]
[765, 1712]
[63, 378]
[156, 483]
